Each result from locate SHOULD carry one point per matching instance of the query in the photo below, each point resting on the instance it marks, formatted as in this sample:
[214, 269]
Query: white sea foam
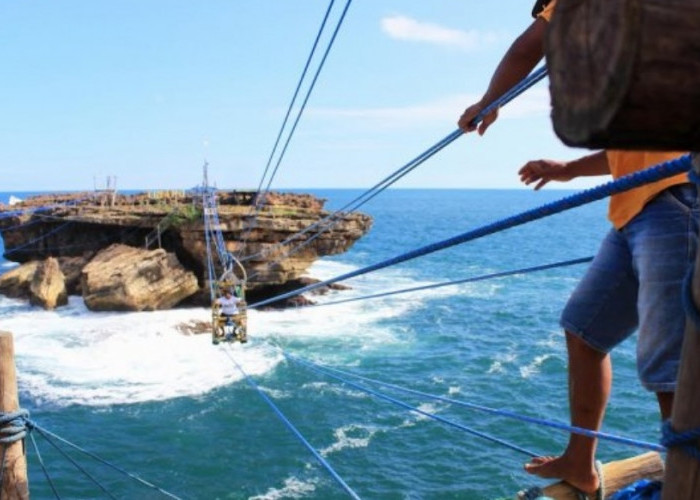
[339, 389]
[501, 359]
[293, 488]
[428, 410]
[74, 356]
[350, 436]
[454, 390]
[534, 367]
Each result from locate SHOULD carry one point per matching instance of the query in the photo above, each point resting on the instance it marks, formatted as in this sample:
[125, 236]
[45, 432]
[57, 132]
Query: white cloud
[534, 102]
[405, 28]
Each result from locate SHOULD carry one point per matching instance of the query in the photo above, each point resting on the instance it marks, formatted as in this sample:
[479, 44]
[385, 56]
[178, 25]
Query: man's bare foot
[582, 478]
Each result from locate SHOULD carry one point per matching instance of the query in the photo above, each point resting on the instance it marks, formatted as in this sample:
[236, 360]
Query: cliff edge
[74, 228]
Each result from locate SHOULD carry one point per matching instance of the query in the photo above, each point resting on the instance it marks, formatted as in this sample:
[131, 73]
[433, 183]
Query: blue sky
[146, 90]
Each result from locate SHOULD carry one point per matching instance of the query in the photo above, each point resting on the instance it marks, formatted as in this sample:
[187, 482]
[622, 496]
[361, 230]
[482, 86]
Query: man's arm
[543, 171]
[522, 56]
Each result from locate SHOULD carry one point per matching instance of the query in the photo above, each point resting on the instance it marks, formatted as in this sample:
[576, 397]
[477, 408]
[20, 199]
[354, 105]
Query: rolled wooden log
[626, 73]
[616, 476]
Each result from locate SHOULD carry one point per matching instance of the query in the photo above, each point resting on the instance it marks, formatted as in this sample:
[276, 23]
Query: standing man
[634, 282]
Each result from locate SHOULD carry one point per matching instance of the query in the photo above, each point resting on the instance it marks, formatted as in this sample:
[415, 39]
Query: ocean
[178, 412]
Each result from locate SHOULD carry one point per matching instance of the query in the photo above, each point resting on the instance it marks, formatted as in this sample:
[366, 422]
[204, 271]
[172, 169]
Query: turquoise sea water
[177, 411]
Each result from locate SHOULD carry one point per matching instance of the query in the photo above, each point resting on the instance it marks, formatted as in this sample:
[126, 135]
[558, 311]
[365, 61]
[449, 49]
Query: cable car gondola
[229, 314]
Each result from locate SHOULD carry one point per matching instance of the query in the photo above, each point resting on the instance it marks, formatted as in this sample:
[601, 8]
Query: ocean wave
[73, 356]
[76, 356]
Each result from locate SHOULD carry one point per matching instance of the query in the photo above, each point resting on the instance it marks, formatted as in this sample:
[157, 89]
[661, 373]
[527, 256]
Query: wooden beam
[683, 478]
[617, 475]
[14, 484]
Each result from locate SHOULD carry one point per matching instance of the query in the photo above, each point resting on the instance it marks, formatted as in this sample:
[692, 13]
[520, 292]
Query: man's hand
[465, 121]
[543, 171]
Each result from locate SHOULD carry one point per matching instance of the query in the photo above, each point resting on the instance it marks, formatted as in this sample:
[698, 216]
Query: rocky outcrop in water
[48, 286]
[124, 278]
[76, 228]
[15, 283]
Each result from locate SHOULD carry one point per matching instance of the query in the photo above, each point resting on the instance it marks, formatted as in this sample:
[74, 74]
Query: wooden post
[683, 471]
[14, 482]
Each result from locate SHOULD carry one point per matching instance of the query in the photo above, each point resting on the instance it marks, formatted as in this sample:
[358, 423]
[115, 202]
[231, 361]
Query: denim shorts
[635, 282]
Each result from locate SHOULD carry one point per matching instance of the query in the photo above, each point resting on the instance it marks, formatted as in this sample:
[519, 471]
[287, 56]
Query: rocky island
[148, 251]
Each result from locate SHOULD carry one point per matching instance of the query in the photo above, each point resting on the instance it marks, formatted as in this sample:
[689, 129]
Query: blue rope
[215, 228]
[514, 92]
[207, 238]
[44, 432]
[14, 426]
[296, 93]
[686, 440]
[502, 413]
[360, 200]
[363, 198]
[308, 94]
[23, 224]
[260, 201]
[644, 489]
[457, 282]
[76, 465]
[474, 432]
[294, 430]
[43, 467]
[55, 230]
[124, 235]
[625, 183]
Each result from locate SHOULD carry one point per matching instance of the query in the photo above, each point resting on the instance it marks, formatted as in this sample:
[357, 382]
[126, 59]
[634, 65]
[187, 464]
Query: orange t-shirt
[624, 206]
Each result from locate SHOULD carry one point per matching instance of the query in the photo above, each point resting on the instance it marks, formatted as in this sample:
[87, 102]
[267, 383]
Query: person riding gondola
[229, 315]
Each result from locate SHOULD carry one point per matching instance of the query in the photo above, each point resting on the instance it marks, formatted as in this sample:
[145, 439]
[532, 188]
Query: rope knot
[687, 440]
[14, 426]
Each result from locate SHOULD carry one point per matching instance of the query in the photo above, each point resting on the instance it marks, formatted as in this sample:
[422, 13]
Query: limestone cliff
[74, 227]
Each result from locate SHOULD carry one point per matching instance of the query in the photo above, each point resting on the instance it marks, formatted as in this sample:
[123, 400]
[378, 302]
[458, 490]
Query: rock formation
[15, 282]
[124, 278]
[48, 286]
[77, 229]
